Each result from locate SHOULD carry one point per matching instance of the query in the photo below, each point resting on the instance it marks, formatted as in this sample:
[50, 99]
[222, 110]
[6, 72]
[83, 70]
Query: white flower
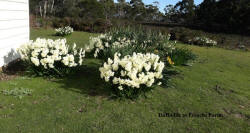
[123, 73]
[71, 58]
[128, 66]
[115, 80]
[51, 66]
[110, 61]
[35, 61]
[106, 44]
[45, 52]
[34, 54]
[147, 66]
[74, 46]
[120, 88]
[65, 61]
[115, 66]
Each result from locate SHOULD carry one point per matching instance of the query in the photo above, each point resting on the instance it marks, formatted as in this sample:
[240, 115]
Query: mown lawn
[218, 82]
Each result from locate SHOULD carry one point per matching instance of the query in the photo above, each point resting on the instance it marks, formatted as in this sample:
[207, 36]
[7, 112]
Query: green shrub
[181, 56]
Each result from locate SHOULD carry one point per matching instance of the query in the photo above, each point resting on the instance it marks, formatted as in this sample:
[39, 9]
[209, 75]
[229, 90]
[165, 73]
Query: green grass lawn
[80, 38]
[218, 82]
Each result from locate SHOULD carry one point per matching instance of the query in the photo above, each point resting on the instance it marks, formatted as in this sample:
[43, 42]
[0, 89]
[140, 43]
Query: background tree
[224, 15]
[170, 14]
[137, 9]
[108, 8]
[152, 13]
[186, 9]
[121, 8]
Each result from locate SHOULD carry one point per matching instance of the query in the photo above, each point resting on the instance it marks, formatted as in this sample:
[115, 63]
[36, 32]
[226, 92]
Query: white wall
[14, 28]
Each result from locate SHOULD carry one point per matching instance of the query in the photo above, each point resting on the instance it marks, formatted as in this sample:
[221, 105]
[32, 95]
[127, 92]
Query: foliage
[17, 92]
[186, 9]
[46, 57]
[98, 25]
[184, 34]
[126, 41]
[224, 15]
[64, 31]
[92, 10]
[211, 15]
[132, 75]
[231, 16]
[182, 56]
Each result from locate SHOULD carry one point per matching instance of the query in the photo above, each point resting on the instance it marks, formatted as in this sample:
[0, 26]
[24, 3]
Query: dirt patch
[236, 114]
[222, 91]
[6, 76]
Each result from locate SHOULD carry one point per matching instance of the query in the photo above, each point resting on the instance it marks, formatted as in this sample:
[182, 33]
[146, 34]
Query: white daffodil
[35, 61]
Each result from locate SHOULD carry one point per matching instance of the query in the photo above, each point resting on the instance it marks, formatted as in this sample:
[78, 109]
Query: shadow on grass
[86, 81]
[168, 74]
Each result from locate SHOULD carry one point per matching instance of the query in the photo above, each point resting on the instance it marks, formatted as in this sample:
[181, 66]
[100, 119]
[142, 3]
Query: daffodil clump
[48, 54]
[64, 31]
[126, 40]
[105, 41]
[132, 74]
[204, 41]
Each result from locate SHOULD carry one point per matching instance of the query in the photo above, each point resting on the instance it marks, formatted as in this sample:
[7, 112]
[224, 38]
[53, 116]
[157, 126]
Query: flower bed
[131, 59]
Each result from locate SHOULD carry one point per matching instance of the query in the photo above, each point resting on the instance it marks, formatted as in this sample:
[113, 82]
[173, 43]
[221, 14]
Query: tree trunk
[41, 12]
[45, 9]
[52, 6]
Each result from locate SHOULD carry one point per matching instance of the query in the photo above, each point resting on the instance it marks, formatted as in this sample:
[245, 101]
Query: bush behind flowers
[46, 57]
[128, 40]
[132, 75]
[182, 56]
